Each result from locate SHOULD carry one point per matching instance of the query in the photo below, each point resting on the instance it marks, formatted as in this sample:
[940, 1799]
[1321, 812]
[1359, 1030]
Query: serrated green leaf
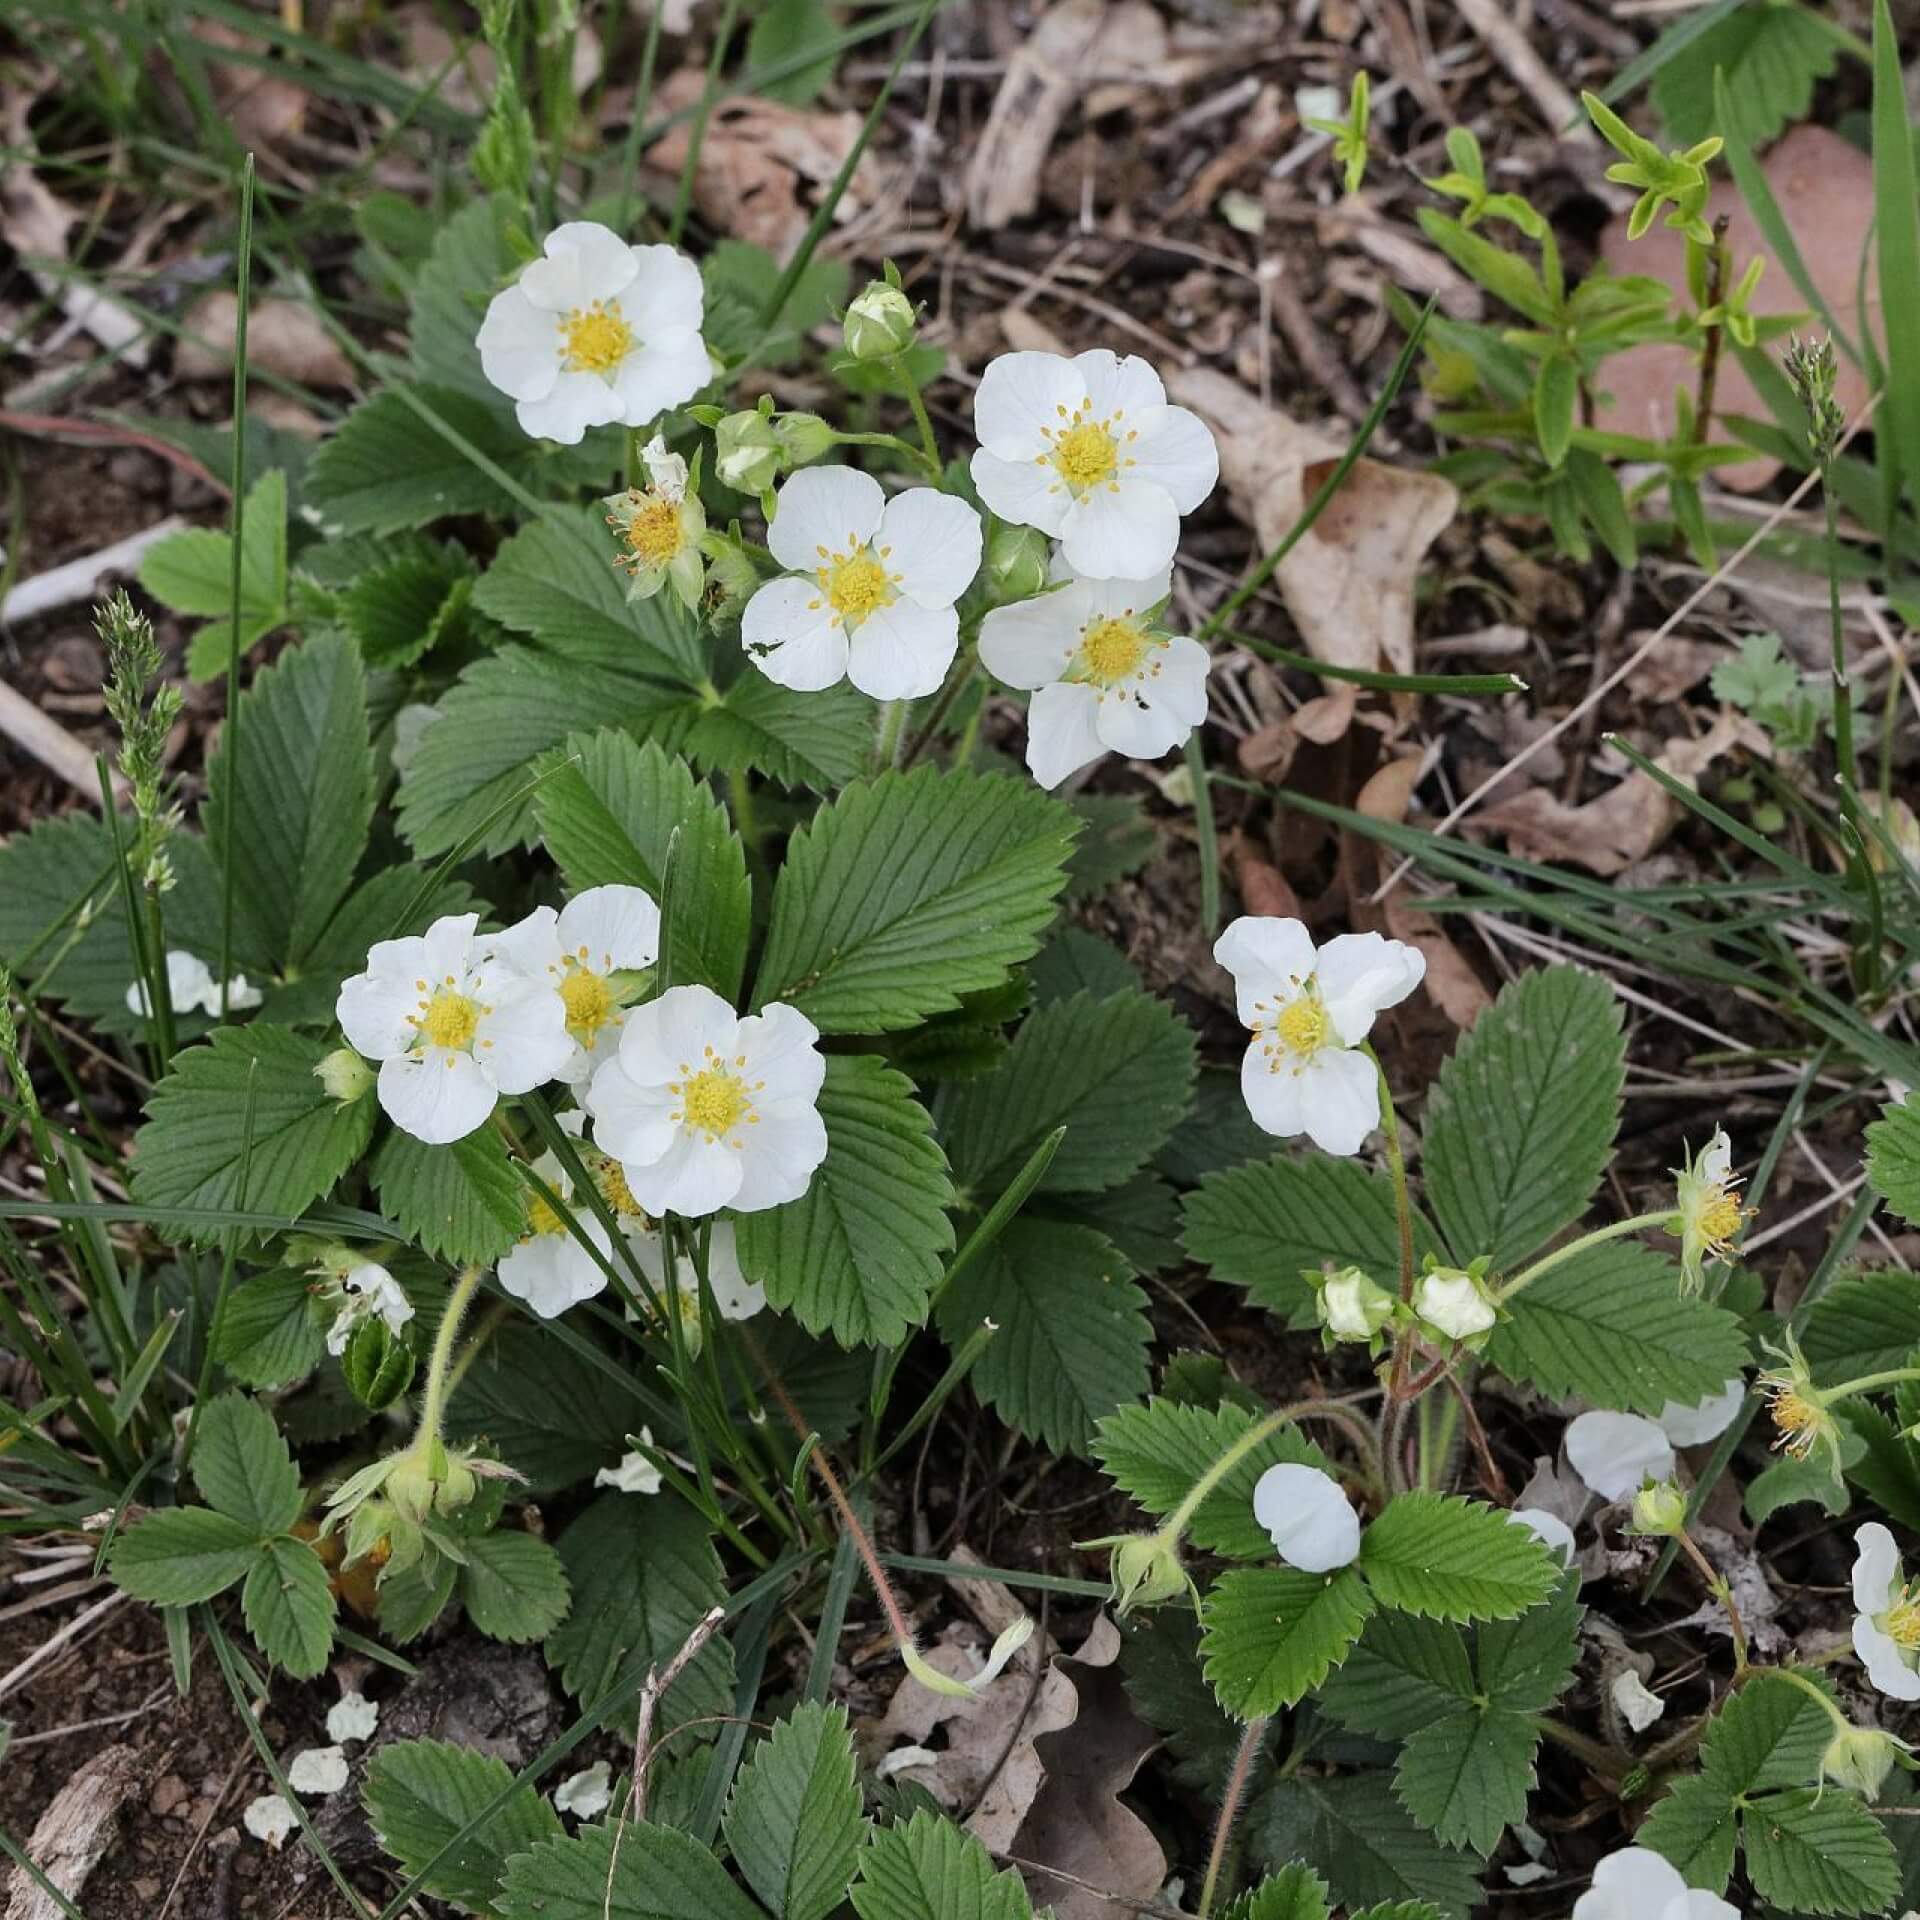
[607, 817]
[466, 266]
[640, 1583]
[1118, 839]
[1073, 1331]
[1694, 1826]
[503, 713]
[1611, 1325]
[188, 1151]
[1270, 1635]
[637, 1871]
[459, 1203]
[790, 30]
[816, 740]
[793, 1820]
[1863, 1323]
[741, 278]
[1521, 1121]
[1770, 1734]
[1453, 1559]
[1116, 1073]
[1261, 1226]
[1405, 1673]
[907, 893]
[288, 1603]
[182, 1554]
[192, 572]
[1888, 1470]
[513, 1586]
[859, 1253]
[1141, 1218]
[1809, 1852]
[268, 1337]
[1893, 1158]
[928, 1869]
[409, 600]
[1466, 1778]
[1076, 961]
[242, 1466]
[1294, 1893]
[1157, 1452]
[555, 582]
[1160, 1668]
[1525, 1663]
[1771, 56]
[1352, 1829]
[305, 795]
[420, 1793]
[412, 1601]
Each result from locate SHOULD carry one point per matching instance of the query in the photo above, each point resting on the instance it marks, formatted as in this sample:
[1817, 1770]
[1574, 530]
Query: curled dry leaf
[283, 336]
[1043, 80]
[757, 157]
[1349, 583]
[1824, 185]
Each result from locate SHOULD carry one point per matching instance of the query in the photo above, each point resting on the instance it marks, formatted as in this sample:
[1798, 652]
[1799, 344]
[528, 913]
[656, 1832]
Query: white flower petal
[1884, 1660]
[241, 994]
[1616, 1453]
[587, 1793]
[1549, 1529]
[1063, 732]
[553, 1271]
[1270, 959]
[1706, 1419]
[1123, 598]
[1276, 1101]
[438, 1096]
[352, 1717]
[788, 632]
[1632, 1883]
[1027, 492]
[1176, 452]
[737, 1297]
[317, 1771]
[1636, 1702]
[632, 1122]
[666, 294]
[1361, 975]
[1117, 383]
[519, 346]
[530, 948]
[635, 1473]
[1341, 1091]
[832, 507]
[619, 927]
[934, 539]
[1124, 530]
[190, 987]
[1309, 1516]
[1698, 1904]
[782, 1047]
[577, 401]
[903, 651]
[1452, 1304]
[376, 1013]
[520, 1039]
[584, 262]
[694, 1177]
[671, 1033]
[663, 374]
[779, 1161]
[270, 1819]
[1133, 724]
[1018, 395]
[1030, 644]
[1876, 1568]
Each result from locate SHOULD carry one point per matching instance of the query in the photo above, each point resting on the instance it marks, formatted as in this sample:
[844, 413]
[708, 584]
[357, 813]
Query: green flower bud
[1659, 1507]
[378, 1367]
[1860, 1758]
[747, 454]
[879, 323]
[805, 437]
[345, 1076]
[1351, 1305]
[411, 1487]
[1453, 1303]
[1017, 559]
[458, 1488]
[1145, 1570]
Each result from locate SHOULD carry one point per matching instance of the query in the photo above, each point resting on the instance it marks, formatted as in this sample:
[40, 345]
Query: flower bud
[879, 323]
[805, 437]
[1145, 1569]
[345, 1076]
[377, 1366]
[1017, 560]
[747, 454]
[1453, 1302]
[1659, 1507]
[410, 1486]
[458, 1488]
[1352, 1306]
[1860, 1758]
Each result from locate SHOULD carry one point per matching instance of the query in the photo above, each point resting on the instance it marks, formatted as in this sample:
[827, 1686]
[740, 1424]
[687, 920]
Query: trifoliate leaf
[815, 740]
[1770, 1734]
[1694, 1826]
[513, 1586]
[182, 1554]
[268, 1336]
[1893, 1158]
[305, 796]
[1261, 1226]
[928, 1869]
[1525, 1663]
[1116, 1073]
[1270, 1635]
[859, 1253]
[635, 1871]
[462, 1202]
[242, 1466]
[1466, 1778]
[1073, 1331]
[1405, 1673]
[1157, 1452]
[1759, 677]
[1453, 1559]
[793, 1821]
[420, 1793]
[189, 1151]
[1814, 1852]
[1521, 1120]
[289, 1606]
[609, 815]
[907, 893]
[1611, 1325]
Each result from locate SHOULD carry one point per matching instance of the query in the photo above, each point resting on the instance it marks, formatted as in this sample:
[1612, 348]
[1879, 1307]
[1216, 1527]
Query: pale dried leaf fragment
[286, 337]
[1043, 80]
[72, 1837]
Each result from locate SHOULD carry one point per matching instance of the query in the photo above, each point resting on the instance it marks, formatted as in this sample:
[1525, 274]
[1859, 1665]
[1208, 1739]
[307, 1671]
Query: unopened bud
[1659, 1507]
[377, 1366]
[805, 437]
[880, 322]
[747, 455]
[1017, 560]
[1453, 1302]
[345, 1076]
[1353, 1306]
[1860, 1758]
[1145, 1569]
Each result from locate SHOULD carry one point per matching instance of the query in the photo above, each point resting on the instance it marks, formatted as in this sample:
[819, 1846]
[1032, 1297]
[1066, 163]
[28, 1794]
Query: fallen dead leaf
[283, 336]
[1349, 584]
[1026, 334]
[261, 108]
[1262, 888]
[1043, 79]
[757, 157]
[1824, 185]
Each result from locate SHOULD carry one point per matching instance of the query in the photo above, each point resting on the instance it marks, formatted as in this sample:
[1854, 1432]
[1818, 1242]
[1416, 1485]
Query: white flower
[576, 952]
[660, 529]
[1636, 1702]
[1309, 1010]
[1549, 1529]
[317, 1771]
[1313, 1524]
[596, 332]
[547, 1267]
[1614, 1453]
[352, 1717]
[1088, 450]
[367, 1290]
[452, 1029]
[587, 1793]
[1635, 1883]
[735, 1297]
[704, 1109]
[869, 589]
[635, 1473]
[271, 1819]
[1105, 677]
[1452, 1302]
[1695, 1425]
[191, 988]
[1886, 1625]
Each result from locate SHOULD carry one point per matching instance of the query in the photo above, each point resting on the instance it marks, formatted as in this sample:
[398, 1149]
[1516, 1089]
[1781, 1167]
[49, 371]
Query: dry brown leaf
[1262, 887]
[1349, 583]
[1026, 334]
[755, 160]
[283, 336]
[1043, 80]
[261, 108]
[1133, 58]
[1824, 185]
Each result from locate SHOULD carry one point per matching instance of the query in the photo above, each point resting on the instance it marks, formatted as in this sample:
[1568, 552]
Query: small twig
[1717, 268]
[1514, 51]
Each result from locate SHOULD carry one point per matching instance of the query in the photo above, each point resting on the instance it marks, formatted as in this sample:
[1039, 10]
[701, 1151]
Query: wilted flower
[1309, 1516]
[1886, 1624]
[1860, 1758]
[345, 1076]
[1145, 1569]
[1003, 1649]
[1710, 1215]
[1802, 1420]
[595, 333]
[660, 528]
[362, 1290]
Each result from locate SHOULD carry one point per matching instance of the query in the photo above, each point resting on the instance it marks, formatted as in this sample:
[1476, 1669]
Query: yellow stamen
[1303, 1027]
[1111, 651]
[856, 585]
[541, 1217]
[1720, 1219]
[715, 1102]
[612, 1181]
[449, 1020]
[589, 1003]
[1085, 455]
[1901, 1621]
[654, 533]
[595, 339]
[1797, 1420]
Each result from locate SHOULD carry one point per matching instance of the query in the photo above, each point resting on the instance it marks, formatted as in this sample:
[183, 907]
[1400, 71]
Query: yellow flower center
[654, 532]
[855, 583]
[1720, 1218]
[611, 1179]
[589, 1003]
[595, 339]
[541, 1218]
[448, 1019]
[1797, 1420]
[715, 1102]
[1111, 651]
[1901, 1621]
[1303, 1027]
[1085, 455]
